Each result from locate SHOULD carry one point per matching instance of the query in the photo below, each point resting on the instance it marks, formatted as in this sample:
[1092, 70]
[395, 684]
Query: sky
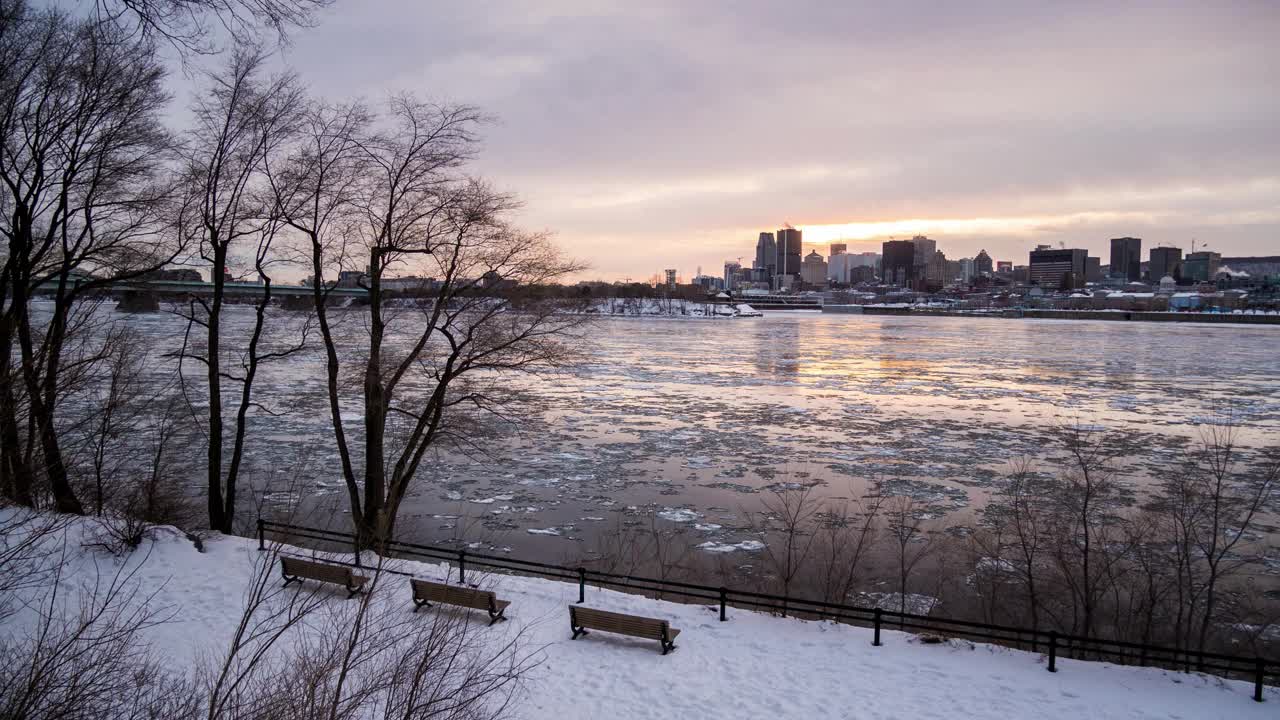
[651, 135]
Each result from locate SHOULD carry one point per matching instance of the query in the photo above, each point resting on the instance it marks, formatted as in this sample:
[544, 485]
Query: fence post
[462, 567]
[876, 641]
[1053, 651]
[724, 598]
[582, 585]
[355, 548]
[261, 539]
[1259, 670]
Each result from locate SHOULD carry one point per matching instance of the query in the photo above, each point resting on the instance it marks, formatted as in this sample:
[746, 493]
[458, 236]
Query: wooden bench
[426, 592]
[581, 618]
[296, 570]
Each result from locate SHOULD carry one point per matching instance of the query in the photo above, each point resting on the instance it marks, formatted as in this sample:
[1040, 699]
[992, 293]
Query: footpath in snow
[753, 666]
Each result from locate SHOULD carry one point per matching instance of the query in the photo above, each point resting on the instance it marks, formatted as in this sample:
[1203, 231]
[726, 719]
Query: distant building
[813, 271]
[174, 274]
[841, 268]
[1126, 258]
[766, 255]
[969, 269]
[1004, 267]
[899, 263]
[351, 278]
[1057, 269]
[789, 245]
[1201, 266]
[936, 273]
[1093, 269]
[838, 249]
[671, 278]
[1165, 262]
[731, 271]
[982, 264]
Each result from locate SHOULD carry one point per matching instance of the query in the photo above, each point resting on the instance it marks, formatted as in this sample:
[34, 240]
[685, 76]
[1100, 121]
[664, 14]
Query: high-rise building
[731, 271]
[982, 265]
[1165, 261]
[1201, 266]
[1126, 258]
[969, 269]
[1057, 269]
[899, 263]
[1093, 269]
[766, 254]
[671, 278]
[789, 244]
[840, 268]
[813, 271]
[839, 249]
[1004, 267]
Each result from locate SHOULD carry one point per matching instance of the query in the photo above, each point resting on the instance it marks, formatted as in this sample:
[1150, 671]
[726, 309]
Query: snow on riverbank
[754, 666]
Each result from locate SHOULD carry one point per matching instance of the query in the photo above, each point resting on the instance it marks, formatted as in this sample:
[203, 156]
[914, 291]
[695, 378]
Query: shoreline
[1047, 314]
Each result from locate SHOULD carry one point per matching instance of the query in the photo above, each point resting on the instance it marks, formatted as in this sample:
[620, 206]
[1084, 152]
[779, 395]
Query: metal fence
[1053, 644]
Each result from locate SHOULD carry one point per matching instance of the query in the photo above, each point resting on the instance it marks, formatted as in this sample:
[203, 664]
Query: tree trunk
[217, 515]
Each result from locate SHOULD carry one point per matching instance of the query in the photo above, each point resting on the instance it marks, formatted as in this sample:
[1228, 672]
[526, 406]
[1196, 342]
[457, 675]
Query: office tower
[899, 263]
[1165, 261]
[982, 266]
[766, 254]
[1057, 269]
[731, 270]
[838, 249]
[1093, 269]
[788, 242]
[1201, 266]
[671, 278]
[1126, 258]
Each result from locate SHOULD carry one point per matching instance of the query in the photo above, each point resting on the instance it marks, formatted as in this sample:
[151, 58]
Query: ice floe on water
[544, 531]
[679, 515]
[719, 547]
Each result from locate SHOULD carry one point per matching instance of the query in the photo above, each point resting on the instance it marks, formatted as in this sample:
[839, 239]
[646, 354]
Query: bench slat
[582, 618]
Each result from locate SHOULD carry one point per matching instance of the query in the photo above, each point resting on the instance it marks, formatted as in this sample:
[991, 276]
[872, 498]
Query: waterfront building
[840, 268]
[1004, 267]
[1058, 269]
[766, 254]
[671, 278]
[1126, 258]
[1201, 266]
[1165, 261]
[969, 268]
[813, 271]
[838, 249]
[982, 265]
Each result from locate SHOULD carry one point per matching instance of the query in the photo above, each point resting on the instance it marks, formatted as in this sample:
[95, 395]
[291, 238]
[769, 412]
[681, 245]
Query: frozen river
[691, 419]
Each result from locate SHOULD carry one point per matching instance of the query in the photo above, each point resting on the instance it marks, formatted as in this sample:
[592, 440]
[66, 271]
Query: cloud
[988, 122]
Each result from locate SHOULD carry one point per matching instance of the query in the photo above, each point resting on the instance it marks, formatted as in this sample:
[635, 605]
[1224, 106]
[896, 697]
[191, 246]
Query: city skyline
[665, 135]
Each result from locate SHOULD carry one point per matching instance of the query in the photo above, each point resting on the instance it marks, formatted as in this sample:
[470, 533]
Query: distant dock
[1042, 314]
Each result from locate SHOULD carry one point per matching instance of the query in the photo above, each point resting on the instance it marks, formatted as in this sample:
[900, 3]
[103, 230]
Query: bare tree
[189, 25]
[83, 203]
[240, 120]
[387, 194]
[904, 526]
[789, 515]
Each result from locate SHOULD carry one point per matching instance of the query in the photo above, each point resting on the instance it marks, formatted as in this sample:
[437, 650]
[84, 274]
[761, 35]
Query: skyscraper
[982, 265]
[1165, 261]
[789, 244]
[766, 254]
[671, 278]
[1126, 258]
[838, 249]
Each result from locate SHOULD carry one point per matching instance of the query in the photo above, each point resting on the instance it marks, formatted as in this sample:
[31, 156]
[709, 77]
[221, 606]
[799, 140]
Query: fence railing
[1261, 671]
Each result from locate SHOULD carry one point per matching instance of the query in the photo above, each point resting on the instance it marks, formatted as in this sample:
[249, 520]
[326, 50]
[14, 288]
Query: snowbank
[753, 666]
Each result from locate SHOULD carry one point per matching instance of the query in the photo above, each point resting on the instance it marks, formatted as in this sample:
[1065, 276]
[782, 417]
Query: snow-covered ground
[753, 666]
